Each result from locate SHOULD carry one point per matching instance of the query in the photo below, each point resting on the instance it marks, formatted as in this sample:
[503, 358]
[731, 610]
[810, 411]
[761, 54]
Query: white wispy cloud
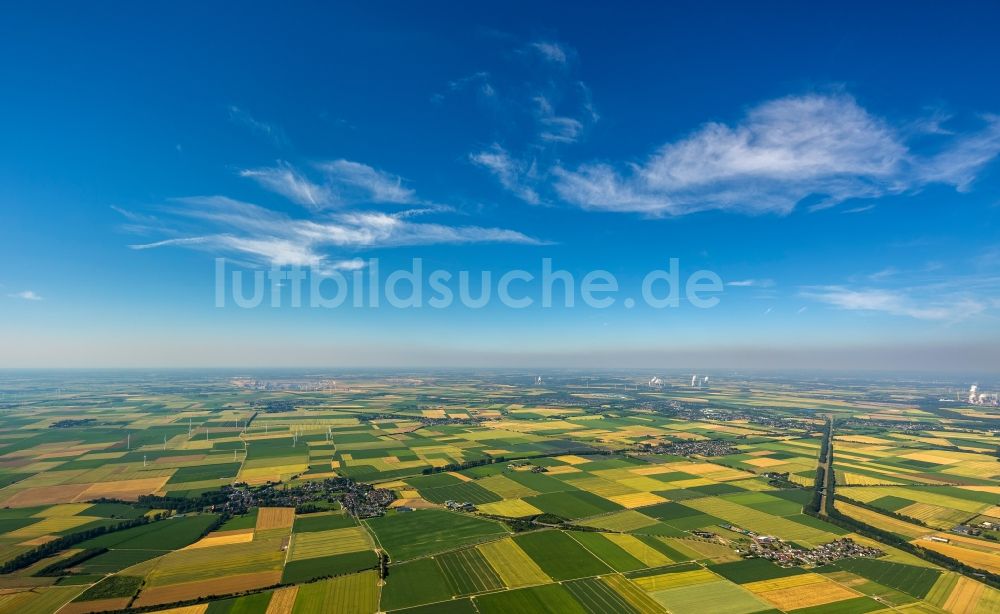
[290, 183]
[824, 147]
[512, 174]
[751, 283]
[27, 295]
[339, 183]
[261, 234]
[959, 164]
[551, 52]
[899, 302]
[885, 273]
[479, 81]
[556, 128]
[271, 132]
[355, 181]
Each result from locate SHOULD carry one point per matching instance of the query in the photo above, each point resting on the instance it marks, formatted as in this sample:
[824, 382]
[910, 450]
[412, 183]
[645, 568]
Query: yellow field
[975, 469]
[881, 521]
[275, 518]
[223, 538]
[69, 509]
[638, 549]
[993, 512]
[765, 462]
[513, 565]
[128, 490]
[262, 475]
[512, 508]
[602, 487]
[51, 525]
[506, 487]
[988, 561]
[328, 543]
[634, 500]
[856, 479]
[188, 609]
[964, 596]
[861, 439]
[282, 600]
[571, 459]
[711, 471]
[928, 457]
[675, 580]
[806, 595]
[764, 586]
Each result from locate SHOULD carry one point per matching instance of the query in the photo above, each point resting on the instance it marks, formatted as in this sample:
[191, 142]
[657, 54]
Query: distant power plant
[982, 398]
[697, 382]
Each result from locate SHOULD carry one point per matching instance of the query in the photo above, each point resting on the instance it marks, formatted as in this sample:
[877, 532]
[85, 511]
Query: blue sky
[837, 170]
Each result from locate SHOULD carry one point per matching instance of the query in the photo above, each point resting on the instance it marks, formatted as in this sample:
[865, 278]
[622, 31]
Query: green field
[572, 504]
[612, 555]
[353, 594]
[306, 570]
[468, 572]
[415, 583]
[548, 598]
[560, 556]
[597, 597]
[910, 579]
[424, 532]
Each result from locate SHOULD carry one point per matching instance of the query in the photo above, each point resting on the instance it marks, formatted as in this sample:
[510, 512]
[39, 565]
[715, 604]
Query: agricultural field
[203, 493]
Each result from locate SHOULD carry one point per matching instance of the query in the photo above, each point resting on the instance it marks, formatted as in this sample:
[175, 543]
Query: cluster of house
[240, 498]
[523, 465]
[786, 555]
[366, 501]
[705, 447]
[776, 475]
[459, 506]
[964, 529]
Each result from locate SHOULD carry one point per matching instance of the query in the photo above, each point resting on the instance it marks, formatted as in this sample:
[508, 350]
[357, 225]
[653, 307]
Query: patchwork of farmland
[571, 497]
